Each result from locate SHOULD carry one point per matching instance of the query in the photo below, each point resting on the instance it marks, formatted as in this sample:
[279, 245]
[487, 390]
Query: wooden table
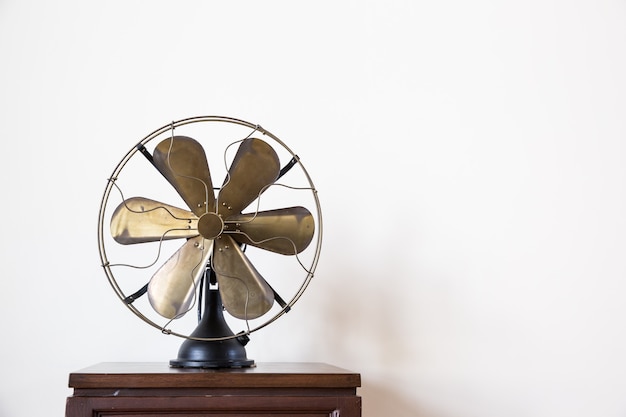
[267, 389]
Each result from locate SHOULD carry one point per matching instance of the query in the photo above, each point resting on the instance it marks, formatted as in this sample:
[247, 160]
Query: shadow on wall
[368, 328]
[366, 318]
[379, 401]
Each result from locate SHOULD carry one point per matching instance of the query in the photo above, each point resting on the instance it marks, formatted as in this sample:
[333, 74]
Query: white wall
[470, 163]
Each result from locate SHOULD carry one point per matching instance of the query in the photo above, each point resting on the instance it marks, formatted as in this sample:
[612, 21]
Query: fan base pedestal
[178, 363]
[227, 353]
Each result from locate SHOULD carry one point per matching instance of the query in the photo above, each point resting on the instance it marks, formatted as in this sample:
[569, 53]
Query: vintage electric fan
[240, 252]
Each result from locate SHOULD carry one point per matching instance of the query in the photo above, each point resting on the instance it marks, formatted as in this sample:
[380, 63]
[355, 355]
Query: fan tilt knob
[210, 225]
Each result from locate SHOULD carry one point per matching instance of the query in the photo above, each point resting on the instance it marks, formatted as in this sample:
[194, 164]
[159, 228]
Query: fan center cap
[210, 225]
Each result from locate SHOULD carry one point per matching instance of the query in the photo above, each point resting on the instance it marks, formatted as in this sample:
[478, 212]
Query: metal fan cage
[102, 223]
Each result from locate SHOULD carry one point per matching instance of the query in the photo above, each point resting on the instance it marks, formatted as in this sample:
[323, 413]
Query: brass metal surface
[244, 292]
[254, 167]
[140, 220]
[210, 225]
[171, 290]
[183, 162]
[287, 231]
[214, 228]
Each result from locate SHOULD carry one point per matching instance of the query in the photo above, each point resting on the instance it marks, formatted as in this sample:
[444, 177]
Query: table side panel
[269, 389]
[213, 406]
[158, 375]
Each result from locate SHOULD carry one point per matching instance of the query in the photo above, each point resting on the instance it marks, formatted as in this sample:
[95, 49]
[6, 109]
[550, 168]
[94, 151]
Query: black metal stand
[229, 353]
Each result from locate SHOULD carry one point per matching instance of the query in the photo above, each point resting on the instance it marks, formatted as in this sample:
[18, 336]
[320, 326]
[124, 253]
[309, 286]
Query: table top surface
[160, 374]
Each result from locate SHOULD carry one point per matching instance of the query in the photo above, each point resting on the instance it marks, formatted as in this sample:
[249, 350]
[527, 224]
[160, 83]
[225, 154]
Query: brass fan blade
[140, 220]
[172, 288]
[183, 162]
[244, 292]
[255, 166]
[287, 231]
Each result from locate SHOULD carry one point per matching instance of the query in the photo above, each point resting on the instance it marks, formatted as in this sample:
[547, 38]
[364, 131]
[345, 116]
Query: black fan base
[219, 354]
[177, 363]
[228, 353]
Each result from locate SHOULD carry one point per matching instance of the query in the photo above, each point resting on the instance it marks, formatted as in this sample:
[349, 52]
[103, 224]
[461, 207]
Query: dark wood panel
[211, 406]
[156, 390]
[190, 392]
[263, 375]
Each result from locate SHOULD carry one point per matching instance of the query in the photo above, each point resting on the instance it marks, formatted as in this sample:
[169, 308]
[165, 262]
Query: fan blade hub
[210, 225]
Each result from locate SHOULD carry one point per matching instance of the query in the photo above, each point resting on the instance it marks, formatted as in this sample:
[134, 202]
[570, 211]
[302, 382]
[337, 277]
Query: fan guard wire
[310, 272]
